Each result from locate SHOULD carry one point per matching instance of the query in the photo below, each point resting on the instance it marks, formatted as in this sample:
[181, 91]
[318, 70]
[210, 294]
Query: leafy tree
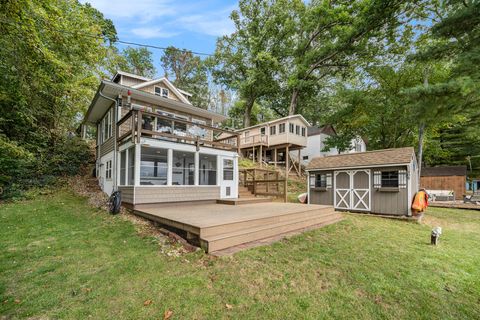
[51, 53]
[188, 73]
[332, 36]
[138, 61]
[236, 115]
[455, 40]
[250, 60]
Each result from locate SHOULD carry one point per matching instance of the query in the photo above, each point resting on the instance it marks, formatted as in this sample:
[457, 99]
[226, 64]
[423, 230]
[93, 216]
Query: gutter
[114, 136]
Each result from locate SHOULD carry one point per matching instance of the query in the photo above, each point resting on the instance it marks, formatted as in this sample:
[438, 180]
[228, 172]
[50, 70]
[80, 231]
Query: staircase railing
[264, 182]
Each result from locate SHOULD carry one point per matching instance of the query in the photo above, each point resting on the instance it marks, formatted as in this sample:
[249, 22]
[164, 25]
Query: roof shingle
[360, 159]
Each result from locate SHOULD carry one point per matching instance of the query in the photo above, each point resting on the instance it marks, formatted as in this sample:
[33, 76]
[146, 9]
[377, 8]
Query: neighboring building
[473, 185]
[156, 147]
[381, 181]
[316, 137]
[273, 141]
[445, 178]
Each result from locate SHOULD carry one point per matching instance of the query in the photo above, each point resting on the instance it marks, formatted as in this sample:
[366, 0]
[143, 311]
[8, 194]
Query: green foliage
[188, 72]
[51, 52]
[236, 115]
[138, 61]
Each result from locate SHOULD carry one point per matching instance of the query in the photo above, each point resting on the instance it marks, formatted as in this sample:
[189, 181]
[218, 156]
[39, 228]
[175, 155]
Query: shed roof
[315, 130]
[380, 158]
[444, 171]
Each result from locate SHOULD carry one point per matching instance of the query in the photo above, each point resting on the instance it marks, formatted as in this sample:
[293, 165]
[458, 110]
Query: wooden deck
[220, 226]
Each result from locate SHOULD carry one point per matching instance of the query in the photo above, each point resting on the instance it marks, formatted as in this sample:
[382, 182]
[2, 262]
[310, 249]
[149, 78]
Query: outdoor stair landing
[218, 227]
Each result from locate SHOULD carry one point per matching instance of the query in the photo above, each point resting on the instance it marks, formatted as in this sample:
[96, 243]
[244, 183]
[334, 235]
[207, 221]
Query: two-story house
[274, 141]
[154, 146]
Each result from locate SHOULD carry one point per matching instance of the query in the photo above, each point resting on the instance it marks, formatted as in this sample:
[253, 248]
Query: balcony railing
[137, 123]
[254, 140]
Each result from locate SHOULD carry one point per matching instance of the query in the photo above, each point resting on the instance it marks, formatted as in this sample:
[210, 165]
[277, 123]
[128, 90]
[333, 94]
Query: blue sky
[194, 25]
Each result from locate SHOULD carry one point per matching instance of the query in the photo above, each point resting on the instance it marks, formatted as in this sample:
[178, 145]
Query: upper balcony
[140, 123]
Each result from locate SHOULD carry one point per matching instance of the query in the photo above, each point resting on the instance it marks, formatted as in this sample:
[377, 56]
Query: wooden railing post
[139, 125]
[133, 126]
[285, 189]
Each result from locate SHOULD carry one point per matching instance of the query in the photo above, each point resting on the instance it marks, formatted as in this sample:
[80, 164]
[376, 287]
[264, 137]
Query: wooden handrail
[254, 181]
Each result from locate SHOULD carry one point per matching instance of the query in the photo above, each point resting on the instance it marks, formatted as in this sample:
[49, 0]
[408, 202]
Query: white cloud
[214, 23]
[154, 32]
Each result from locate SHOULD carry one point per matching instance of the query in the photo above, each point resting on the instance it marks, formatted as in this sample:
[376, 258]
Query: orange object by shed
[420, 203]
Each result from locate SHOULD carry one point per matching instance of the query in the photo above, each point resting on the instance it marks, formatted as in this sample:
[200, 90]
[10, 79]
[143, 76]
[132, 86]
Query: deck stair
[219, 228]
[245, 196]
[224, 236]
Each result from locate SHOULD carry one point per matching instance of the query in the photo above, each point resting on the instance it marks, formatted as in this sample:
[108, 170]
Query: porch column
[196, 169]
[260, 156]
[219, 170]
[287, 162]
[275, 157]
[169, 166]
[137, 163]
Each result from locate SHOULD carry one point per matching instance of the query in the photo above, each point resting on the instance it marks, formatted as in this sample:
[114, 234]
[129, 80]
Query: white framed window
[247, 133]
[281, 128]
[106, 126]
[163, 92]
[108, 170]
[227, 169]
[297, 130]
[303, 131]
[292, 128]
[262, 131]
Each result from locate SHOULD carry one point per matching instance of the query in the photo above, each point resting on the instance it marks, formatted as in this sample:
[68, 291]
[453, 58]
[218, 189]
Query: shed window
[281, 128]
[320, 180]
[389, 179]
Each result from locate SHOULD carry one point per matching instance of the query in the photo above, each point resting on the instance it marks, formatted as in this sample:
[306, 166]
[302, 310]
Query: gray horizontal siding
[161, 194]
[127, 194]
[106, 147]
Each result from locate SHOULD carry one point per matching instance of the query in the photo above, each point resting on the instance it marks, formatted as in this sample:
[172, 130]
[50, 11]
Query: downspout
[114, 136]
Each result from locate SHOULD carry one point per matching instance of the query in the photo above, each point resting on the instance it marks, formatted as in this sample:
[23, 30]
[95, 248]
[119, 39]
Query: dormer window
[163, 92]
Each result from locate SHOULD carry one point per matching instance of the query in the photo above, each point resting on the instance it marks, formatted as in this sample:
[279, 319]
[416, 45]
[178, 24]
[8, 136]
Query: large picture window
[153, 166]
[208, 169]
[183, 172]
[227, 169]
[389, 179]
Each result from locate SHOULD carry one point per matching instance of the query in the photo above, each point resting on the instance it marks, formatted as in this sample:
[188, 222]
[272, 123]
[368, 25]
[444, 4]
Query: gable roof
[128, 74]
[326, 129]
[444, 171]
[400, 156]
[167, 83]
[275, 121]
[112, 90]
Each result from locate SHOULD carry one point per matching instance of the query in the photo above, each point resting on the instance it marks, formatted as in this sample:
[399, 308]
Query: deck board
[212, 214]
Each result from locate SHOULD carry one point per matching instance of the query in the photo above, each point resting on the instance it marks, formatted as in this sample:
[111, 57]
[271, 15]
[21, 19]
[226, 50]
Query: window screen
[389, 179]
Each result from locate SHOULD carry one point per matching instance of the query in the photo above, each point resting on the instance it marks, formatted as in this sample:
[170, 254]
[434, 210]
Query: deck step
[230, 239]
[270, 220]
[243, 200]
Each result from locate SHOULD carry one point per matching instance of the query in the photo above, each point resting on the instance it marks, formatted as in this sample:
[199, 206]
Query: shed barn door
[342, 187]
[352, 190]
[361, 190]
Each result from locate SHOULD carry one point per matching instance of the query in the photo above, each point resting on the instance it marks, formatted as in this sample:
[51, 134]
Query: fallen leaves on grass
[168, 314]
[228, 306]
[147, 302]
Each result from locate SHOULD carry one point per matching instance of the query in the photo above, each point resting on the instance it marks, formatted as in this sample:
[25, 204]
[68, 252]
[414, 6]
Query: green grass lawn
[60, 258]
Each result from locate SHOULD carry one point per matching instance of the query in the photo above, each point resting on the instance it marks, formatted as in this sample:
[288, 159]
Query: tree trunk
[248, 112]
[293, 102]
[421, 134]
